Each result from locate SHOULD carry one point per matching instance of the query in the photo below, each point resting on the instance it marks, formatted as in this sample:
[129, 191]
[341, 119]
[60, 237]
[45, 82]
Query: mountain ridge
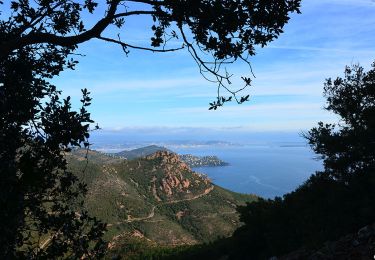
[140, 152]
[157, 198]
[191, 160]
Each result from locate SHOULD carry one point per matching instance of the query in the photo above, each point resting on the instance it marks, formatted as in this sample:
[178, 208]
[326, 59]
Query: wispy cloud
[151, 90]
[351, 51]
[367, 3]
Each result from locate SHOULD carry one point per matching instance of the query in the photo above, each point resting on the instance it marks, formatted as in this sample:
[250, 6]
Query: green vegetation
[157, 200]
[191, 160]
[140, 152]
[40, 216]
[38, 194]
[331, 203]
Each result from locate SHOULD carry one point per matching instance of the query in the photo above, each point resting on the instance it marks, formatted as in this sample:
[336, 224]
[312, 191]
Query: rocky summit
[177, 180]
[157, 199]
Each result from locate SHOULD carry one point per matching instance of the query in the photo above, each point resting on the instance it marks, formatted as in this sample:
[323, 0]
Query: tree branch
[150, 2]
[133, 13]
[126, 45]
[66, 41]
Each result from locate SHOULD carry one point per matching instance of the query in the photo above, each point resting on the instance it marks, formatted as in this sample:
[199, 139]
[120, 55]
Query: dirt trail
[129, 220]
[45, 243]
[152, 213]
[192, 198]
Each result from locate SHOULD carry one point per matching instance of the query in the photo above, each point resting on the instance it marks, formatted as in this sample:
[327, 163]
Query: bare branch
[214, 70]
[126, 45]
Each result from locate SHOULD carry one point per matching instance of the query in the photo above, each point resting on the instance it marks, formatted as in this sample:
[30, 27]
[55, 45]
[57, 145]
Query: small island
[202, 161]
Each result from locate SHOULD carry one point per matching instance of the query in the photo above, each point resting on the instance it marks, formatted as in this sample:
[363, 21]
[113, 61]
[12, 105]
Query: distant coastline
[189, 159]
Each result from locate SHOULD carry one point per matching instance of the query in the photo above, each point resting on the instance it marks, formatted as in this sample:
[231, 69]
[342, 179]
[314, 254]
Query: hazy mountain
[190, 160]
[140, 152]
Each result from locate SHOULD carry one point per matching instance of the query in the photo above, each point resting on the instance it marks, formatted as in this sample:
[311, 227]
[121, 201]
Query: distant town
[202, 161]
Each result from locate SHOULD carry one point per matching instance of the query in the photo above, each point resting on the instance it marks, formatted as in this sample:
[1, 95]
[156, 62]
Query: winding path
[152, 213]
[206, 191]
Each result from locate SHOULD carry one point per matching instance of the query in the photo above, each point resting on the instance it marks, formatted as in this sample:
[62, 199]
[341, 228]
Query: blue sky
[147, 90]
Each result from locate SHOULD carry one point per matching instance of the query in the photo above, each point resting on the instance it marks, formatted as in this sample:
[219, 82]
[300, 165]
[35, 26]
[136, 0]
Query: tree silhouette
[41, 201]
[331, 203]
[348, 147]
[227, 30]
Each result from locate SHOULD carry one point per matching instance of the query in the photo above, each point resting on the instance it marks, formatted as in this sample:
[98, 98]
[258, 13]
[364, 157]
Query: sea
[267, 165]
[265, 170]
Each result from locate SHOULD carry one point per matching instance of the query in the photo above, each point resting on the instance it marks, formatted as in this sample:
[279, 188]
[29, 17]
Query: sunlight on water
[267, 171]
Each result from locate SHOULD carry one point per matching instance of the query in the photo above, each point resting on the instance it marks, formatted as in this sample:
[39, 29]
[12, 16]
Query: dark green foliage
[347, 148]
[122, 188]
[331, 203]
[252, 22]
[136, 249]
[228, 31]
[321, 209]
[39, 197]
[225, 28]
[139, 250]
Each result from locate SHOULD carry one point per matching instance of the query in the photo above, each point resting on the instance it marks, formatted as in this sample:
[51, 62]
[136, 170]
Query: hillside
[157, 198]
[358, 245]
[140, 152]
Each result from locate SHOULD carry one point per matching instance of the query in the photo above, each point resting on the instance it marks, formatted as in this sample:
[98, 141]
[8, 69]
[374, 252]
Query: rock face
[357, 246]
[190, 160]
[157, 199]
[171, 178]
